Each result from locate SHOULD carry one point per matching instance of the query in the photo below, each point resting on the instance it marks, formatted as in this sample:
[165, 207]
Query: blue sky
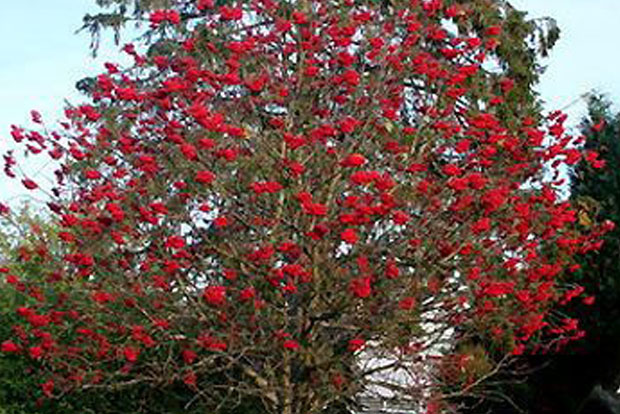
[586, 55]
[41, 57]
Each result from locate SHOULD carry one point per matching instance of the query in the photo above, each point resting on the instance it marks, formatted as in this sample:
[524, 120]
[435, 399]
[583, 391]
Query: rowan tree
[583, 377]
[306, 203]
[594, 360]
[22, 232]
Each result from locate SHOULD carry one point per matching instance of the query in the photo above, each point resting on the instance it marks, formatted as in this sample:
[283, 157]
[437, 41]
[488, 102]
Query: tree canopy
[304, 205]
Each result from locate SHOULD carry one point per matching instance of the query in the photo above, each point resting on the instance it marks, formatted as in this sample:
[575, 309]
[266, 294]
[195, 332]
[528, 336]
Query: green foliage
[522, 42]
[117, 14]
[20, 234]
[18, 390]
[598, 191]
